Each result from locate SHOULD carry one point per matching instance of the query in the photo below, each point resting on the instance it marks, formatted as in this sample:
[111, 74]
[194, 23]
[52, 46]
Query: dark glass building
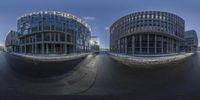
[148, 32]
[12, 41]
[53, 33]
[190, 43]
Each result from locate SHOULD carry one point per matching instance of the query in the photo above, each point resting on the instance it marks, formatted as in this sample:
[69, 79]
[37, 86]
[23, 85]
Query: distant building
[51, 32]
[104, 49]
[2, 48]
[95, 43]
[147, 33]
[12, 41]
[190, 42]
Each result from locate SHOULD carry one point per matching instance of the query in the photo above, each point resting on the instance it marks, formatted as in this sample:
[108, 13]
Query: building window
[39, 37]
[62, 37]
[68, 38]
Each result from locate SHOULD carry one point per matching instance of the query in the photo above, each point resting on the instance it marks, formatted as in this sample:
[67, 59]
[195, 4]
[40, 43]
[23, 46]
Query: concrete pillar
[35, 48]
[20, 49]
[42, 43]
[47, 48]
[167, 45]
[65, 48]
[32, 49]
[58, 36]
[140, 43]
[172, 45]
[123, 45]
[61, 47]
[155, 45]
[50, 36]
[133, 44]
[54, 48]
[147, 43]
[25, 48]
[54, 36]
[74, 43]
[35, 51]
[126, 45]
[178, 49]
[118, 47]
[162, 44]
[65, 43]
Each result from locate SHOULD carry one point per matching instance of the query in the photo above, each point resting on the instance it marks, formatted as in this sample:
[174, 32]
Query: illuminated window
[148, 16]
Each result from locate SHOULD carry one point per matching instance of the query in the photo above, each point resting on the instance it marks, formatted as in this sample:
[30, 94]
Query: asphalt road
[171, 81]
[179, 81]
[40, 69]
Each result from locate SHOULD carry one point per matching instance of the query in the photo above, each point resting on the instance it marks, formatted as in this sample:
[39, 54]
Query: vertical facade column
[172, 45]
[42, 43]
[125, 45]
[54, 36]
[133, 44]
[178, 46]
[74, 44]
[59, 37]
[155, 44]
[54, 45]
[118, 47]
[65, 48]
[167, 45]
[50, 36]
[20, 48]
[47, 49]
[35, 48]
[25, 48]
[54, 48]
[176, 42]
[147, 43]
[140, 43]
[61, 47]
[35, 44]
[65, 43]
[162, 44]
[32, 48]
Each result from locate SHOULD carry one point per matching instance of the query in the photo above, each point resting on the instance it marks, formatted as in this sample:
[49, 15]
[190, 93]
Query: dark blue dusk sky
[100, 14]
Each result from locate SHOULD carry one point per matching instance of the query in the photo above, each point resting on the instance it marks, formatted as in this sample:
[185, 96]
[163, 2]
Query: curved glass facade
[149, 32]
[53, 33]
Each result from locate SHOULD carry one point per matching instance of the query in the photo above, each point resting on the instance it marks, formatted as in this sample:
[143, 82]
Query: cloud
[107, 28]
[89, 18]
[1, 44]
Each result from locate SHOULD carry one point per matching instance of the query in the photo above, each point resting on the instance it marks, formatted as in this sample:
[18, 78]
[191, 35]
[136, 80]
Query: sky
[99, 14]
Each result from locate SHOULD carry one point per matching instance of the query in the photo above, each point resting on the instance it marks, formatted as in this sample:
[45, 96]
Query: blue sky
[100, 14]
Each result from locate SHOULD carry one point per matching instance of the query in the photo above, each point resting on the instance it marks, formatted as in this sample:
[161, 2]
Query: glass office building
[12, 41]
[148, 32]
[53, 33]
[190, 43]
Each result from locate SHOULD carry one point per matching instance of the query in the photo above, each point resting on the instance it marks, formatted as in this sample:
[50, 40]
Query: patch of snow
[51, 57]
